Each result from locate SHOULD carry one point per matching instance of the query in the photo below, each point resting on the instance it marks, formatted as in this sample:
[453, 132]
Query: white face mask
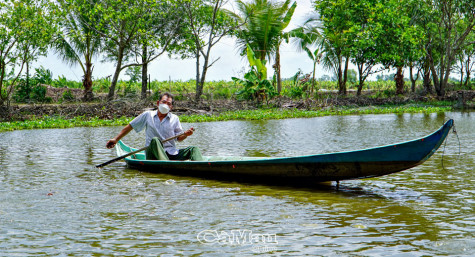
[163, 108]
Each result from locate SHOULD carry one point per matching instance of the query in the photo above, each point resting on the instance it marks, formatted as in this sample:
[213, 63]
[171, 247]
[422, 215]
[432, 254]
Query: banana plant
[255, 82]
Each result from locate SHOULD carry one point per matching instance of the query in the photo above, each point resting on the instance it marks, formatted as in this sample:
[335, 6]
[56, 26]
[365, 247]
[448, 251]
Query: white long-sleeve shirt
[170, 126]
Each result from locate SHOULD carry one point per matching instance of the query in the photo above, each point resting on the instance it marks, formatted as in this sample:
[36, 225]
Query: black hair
[168, 95]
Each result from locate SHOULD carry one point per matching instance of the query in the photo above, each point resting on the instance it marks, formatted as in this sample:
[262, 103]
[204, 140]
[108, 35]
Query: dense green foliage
[436, 38]
[368, 32]
[34, 89]
[297, 87]
[449, 28]
[26, 30]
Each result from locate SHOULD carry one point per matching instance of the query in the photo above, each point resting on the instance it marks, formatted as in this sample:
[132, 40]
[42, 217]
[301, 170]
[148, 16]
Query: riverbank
[60, 116]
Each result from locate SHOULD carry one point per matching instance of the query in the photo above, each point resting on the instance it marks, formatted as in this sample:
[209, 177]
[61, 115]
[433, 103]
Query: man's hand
[111, 143]
[189, 132]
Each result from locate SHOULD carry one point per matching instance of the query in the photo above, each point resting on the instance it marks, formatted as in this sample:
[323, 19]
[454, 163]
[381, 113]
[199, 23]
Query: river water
[53, 202]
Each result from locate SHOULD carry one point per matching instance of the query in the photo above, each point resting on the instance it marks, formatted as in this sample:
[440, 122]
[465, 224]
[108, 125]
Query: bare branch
[213, 62]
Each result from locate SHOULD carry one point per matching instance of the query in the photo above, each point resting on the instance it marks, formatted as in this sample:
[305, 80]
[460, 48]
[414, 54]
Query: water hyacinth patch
[47, 122]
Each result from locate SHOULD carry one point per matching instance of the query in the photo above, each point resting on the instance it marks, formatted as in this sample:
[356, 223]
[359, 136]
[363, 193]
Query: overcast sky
[230, 63]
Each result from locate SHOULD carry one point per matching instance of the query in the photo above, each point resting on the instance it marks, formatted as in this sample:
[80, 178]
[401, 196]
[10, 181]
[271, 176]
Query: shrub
[101, 85]
[43, 76]
[22, 92]
[68, 96]
[62, 81]
[129, 91]
[38, 94]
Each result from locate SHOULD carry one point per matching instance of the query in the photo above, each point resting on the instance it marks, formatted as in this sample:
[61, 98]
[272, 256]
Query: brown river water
[53, 202]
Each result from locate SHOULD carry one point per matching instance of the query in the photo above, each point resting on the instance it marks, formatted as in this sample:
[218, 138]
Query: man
[160, 125]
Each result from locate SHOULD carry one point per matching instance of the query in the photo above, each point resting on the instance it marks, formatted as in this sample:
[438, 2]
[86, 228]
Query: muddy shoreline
[132, 108]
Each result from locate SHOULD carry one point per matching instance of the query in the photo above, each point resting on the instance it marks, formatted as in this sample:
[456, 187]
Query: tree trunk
[360, 78]
[200, 84]
[339, 76]
[360, 86]
[399, 78]
[413, 80]
[87, 82]
[435, 79]
[445, 68]
[199, 91]
[443, 88]
[313, 78]
[204, 71]
[443, 81]
[461, 74]
[115, 78]
[2, 77]
[427, 82]
[277, 71]
[468, 69]
[467, 79]
[118, 69]
[426, 77]
[144, 72]
[27, 97]
[199, 87]
[342, 82]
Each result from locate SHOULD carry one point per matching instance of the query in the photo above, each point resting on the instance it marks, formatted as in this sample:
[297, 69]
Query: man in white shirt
[160, 125]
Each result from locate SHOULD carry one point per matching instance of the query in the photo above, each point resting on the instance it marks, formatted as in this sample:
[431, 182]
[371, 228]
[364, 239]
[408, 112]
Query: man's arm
[111, 143]
[187, 133]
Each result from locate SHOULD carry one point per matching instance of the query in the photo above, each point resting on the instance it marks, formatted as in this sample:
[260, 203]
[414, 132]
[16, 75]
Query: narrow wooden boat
[337, 166]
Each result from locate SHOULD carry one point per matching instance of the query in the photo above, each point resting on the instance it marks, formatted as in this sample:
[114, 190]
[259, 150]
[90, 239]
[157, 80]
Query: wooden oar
[134, 152]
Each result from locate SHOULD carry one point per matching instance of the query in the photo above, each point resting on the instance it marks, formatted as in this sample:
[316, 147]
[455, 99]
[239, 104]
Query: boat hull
[358, 164]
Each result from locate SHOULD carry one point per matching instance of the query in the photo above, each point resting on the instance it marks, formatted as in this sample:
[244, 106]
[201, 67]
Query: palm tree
[264, 29]
[306, 38]
[330, 51]
[335, 59]
[78, 44]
